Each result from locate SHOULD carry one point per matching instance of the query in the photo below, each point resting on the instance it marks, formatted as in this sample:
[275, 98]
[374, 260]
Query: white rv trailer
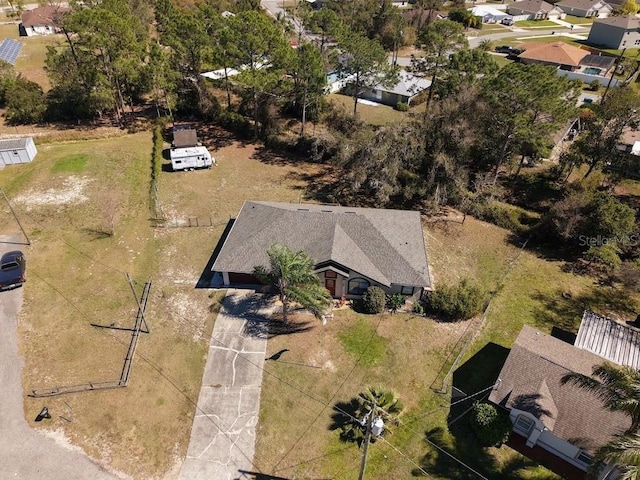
[190, 158]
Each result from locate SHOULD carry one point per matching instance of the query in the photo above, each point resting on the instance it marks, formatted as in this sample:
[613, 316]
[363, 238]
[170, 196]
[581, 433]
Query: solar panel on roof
[9, 50]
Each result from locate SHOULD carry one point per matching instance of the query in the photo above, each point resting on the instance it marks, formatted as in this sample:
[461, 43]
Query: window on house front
[357, 286]
[524, 424]
[330, 274]
[406, 290]
[584, 457]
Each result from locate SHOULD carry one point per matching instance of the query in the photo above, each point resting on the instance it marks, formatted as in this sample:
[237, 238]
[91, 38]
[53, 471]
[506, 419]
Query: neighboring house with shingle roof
[352, 248]
[586, 8]
[559, 54]
[408, 90]
[616, 32]
[565, 420]
[44, 20]
[535, 10]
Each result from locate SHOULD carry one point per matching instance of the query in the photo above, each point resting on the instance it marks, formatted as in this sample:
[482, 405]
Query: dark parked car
[503, 49]
[13, 268]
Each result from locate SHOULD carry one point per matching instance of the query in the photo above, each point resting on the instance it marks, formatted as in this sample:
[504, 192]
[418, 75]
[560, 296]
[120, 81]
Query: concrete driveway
[24, 452]
[223, 434]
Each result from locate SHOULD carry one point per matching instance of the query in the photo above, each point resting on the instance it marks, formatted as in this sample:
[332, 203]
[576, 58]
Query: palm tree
[624, 453]
[617, 387]
[292, 275]
[351, 418]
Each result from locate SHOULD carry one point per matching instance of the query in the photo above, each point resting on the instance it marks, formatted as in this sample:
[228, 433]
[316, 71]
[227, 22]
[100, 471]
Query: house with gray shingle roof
[352, 248]
[616, 32]
[535, 10]
[586, 8]
[569, 422]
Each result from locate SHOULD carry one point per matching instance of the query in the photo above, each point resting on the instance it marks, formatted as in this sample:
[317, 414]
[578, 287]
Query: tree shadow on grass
[450, 451]
[269, 328]
[279, 158]
[564, 310]
[257, 310]
[458, 455]
[344, 418]
[535, 191]
[321, 186]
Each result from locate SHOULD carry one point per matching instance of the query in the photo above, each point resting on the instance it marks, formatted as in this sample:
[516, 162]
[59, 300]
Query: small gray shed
[17, 150]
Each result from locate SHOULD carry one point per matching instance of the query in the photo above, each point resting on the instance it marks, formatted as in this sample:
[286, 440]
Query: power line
[456, 459]
[166, 377]
[326, 404]
[405, 456]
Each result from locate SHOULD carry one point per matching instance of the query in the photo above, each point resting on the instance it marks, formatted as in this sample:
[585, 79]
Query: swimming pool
[592, 71]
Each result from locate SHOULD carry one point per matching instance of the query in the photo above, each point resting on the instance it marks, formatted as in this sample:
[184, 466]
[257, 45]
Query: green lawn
[578, 20]
[412, 355]
[374, 115]
[68, 200]
[538, 23]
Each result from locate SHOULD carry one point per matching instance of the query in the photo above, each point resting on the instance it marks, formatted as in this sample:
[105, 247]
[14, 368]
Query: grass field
[537, 24]
[33, 53]
[578, 20]
[375, 115]
[412, 355]
[68, 199]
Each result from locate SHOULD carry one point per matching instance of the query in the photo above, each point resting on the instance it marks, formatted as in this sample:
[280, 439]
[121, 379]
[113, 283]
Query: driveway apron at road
[223, 434]
[25, 453]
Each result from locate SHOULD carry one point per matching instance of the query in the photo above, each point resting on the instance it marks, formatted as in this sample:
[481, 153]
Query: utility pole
[367, 439]
[374, 425]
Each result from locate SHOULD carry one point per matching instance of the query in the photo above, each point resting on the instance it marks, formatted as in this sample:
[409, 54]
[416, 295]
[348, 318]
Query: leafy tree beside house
[438, 41]
[291, 274]
[365, 61]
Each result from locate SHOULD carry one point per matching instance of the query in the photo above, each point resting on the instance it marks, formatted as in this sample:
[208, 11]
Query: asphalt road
[25, 453]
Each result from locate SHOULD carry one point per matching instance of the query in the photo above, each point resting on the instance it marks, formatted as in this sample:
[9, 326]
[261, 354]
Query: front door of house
[330, 284]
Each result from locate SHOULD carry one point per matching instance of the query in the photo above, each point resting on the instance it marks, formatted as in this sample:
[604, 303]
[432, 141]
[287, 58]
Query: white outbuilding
[17, 150]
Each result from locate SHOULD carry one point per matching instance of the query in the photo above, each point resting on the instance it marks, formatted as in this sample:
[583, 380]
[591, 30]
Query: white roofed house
[489, 14]
[409, 89]
[352, 248]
